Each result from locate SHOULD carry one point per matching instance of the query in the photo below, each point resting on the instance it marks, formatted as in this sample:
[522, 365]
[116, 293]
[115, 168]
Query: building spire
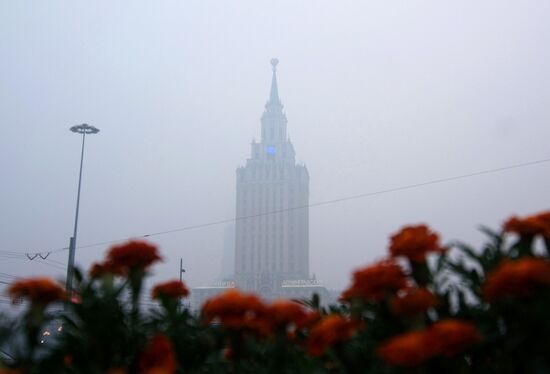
[273, 118]
[274, 94]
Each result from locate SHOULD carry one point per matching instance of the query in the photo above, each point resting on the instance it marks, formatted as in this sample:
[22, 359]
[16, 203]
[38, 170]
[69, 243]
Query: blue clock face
[271, 150]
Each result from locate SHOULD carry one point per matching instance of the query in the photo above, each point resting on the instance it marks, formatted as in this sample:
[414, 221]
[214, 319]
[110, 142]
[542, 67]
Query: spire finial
[274, 62]
[274, 94]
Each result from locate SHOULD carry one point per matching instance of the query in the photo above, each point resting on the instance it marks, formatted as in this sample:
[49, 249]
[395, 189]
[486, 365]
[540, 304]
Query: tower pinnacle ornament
[274, 95]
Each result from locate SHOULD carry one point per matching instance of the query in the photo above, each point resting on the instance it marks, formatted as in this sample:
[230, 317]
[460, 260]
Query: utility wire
[24, 258]
[53, 262]
[53, 265]
[6, 275]
[9, 256]
[321, 203]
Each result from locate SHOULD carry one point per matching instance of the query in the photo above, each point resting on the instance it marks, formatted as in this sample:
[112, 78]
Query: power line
[30, 255]
[321, 203]
[41, 261]
[11, 252]
[54, 262]
[6, 275]
[53, 265]
[9, 256]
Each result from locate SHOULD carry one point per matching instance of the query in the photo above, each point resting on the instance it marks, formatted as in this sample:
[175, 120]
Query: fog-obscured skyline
[378, 95]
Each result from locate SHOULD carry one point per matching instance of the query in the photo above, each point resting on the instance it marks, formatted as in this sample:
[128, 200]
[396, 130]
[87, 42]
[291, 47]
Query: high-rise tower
[272, 217]
[272, 228]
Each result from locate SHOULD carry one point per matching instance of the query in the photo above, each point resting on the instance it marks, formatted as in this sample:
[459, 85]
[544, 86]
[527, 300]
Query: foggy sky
[377, 94]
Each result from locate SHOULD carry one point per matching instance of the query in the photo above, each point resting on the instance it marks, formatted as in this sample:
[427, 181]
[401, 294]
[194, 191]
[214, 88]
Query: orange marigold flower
[329, 331]
[538, 224]
[283, 313]
[454, 336]
[374, 281]
[171, 289]
[409, 349]
[135, 254]
[517, 278]
[412, 301]
[37, 290]
[414, 243]
[235, 310]
[158, 357]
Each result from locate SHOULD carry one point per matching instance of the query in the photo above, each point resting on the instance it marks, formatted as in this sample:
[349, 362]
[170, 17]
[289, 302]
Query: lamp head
[84, 129]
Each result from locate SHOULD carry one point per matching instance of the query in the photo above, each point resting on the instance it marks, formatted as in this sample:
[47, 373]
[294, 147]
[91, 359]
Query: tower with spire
[272, 216]
[272, 228]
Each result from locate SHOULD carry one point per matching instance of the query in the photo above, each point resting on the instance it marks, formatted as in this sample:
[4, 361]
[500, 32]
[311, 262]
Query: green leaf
[467, 250]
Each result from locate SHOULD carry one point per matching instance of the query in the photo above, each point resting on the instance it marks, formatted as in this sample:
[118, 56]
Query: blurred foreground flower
[408, 350]
[415, 243]
[38, 290]
[537, 224]
[374, 281]
[288, 314]
[172, 289]
[447, 337]
[454, 336]
[234, 310]
[412, 301]
[329, 331]
[158, 357]
[133, 255]
[518, 278]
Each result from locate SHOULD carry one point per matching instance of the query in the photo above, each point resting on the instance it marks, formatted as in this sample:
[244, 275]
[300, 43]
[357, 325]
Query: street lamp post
[83, 129]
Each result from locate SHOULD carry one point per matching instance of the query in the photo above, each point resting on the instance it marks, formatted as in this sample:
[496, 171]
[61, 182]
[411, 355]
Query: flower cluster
[409, 296]
[388, 279]
[400, 314]
[243, 312]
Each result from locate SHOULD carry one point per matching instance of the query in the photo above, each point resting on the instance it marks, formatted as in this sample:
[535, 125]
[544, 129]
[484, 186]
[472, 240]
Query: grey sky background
[377, 94]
